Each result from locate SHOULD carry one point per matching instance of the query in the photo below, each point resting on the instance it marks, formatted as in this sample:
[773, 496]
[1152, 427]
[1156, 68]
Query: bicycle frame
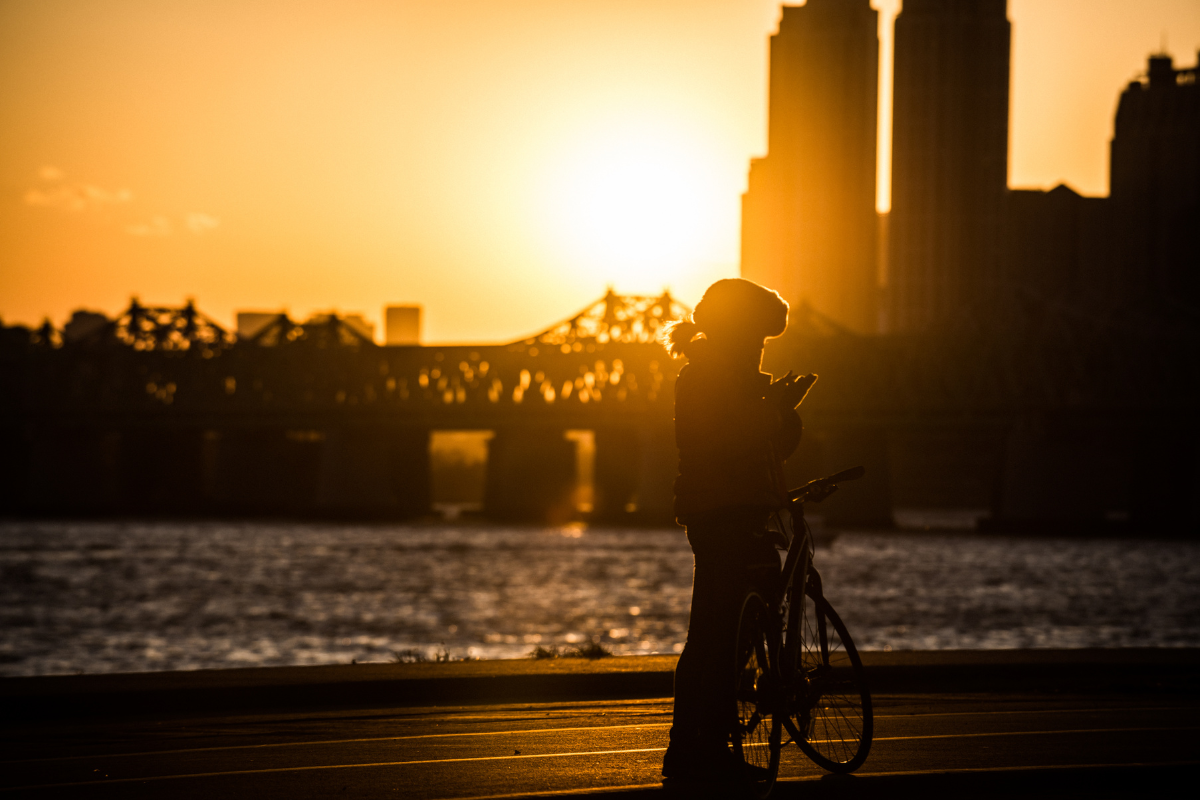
[797, 564]
[798, 559]
[799, 554]
[795, 680]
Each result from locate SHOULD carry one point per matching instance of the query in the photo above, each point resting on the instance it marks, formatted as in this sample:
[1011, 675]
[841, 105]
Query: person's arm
[788, 393]
[788, 437]
[715, 417]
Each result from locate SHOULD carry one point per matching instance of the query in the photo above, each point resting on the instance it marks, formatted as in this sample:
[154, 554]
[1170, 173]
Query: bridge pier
[16, 451]
[374, 472]
[348, 471]
[162, 469]
[657, 468]
[616, 480]
[1164, 487]
[635, 473]
[71, 469]
[531, 475]
[947, 464]
[266, 470]
[1064, 473]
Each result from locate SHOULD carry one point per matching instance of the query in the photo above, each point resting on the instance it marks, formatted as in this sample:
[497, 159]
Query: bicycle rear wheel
[832, 714]
[756, 739]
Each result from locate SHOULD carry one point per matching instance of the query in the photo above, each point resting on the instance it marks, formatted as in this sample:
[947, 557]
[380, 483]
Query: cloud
[77, 197]
[198, 222]
[158, 226]
[55, 193]
[72, 197]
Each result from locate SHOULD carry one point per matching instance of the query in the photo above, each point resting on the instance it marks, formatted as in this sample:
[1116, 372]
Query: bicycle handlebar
[826, 486]
[852, 474]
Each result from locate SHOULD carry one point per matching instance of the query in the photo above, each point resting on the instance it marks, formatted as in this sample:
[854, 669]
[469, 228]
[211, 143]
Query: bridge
[1060, 421]
[162, 410]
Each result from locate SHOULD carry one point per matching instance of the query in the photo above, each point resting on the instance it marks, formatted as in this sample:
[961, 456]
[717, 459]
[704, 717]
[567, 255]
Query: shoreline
[986, 528]
[381, 685]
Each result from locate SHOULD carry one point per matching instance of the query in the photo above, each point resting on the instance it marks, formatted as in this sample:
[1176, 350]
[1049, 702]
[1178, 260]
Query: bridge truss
[167, 389]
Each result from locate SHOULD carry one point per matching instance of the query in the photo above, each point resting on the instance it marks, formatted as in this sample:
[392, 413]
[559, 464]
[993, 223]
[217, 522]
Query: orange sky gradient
[500, 163]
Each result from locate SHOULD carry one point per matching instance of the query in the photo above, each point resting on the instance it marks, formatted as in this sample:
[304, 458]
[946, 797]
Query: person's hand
[789, 391]
[776, 393]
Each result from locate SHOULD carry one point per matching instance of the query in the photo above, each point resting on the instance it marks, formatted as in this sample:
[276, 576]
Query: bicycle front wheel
[756, 738]
[832, 714]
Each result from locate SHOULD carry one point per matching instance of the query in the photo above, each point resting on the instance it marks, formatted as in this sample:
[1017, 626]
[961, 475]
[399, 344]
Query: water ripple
[115, 597]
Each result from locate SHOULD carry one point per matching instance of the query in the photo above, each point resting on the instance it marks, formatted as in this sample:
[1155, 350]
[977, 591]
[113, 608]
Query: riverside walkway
[988, 723]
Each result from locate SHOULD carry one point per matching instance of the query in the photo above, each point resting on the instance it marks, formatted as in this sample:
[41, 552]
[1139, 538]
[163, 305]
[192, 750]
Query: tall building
[1139, 248]
[1155, 186]
[402, 325]
[808, 215]
[949, 160]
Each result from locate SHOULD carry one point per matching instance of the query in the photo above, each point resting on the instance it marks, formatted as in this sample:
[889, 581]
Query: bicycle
[796, 667]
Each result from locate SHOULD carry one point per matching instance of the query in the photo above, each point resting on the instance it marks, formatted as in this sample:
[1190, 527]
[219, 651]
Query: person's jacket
[732, 441]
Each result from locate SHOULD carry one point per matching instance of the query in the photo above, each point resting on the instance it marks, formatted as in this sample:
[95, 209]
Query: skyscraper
[1156, 186]
[949, 160]
[808, 216]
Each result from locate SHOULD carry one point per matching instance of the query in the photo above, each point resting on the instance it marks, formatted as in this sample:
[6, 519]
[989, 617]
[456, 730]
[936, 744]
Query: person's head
[734, 314]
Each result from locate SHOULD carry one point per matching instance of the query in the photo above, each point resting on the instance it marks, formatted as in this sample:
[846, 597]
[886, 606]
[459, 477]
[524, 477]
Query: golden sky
[498, 161]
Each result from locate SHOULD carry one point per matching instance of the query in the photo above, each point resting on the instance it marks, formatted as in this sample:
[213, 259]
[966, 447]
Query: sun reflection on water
[107, 597]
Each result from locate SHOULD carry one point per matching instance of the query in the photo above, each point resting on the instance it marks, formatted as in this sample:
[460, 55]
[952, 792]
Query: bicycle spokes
[756, 734]
[832, 712]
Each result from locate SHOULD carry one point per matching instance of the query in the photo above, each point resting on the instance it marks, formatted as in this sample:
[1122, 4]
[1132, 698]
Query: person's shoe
[676, 763]
[701, 762]
[755, 774]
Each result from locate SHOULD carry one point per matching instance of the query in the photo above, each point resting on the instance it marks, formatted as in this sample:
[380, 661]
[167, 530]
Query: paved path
[946, 744]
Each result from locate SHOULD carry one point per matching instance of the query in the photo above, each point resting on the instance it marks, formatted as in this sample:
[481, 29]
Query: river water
[133, 596]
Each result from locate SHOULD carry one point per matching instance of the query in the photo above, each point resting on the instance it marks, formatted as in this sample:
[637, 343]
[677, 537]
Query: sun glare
[636, 206]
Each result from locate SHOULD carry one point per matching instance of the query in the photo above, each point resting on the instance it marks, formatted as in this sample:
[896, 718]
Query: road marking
[970, 770]
[630, 787]
[335, 741]
[561, 792]
[225, 748]
[325, 767]
[1028, 733]
[547, 755]
[860, 774]
[1035, 711]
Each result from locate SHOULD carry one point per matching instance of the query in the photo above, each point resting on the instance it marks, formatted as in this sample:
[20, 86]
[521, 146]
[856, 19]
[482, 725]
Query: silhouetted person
[734, 427]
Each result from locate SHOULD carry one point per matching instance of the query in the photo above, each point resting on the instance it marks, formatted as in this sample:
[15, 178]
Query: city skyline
[950, 152]
[250, 161]
[809, 219]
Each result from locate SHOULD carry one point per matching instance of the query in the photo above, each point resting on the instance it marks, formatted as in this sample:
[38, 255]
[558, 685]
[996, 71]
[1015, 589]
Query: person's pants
[731, 555]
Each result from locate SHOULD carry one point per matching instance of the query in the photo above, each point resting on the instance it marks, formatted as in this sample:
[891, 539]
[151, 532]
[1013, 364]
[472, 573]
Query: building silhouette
[1155, 187]
[402, 324]
[949, 160]
[1138, 250]
[1056, 249]
[808, 216]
